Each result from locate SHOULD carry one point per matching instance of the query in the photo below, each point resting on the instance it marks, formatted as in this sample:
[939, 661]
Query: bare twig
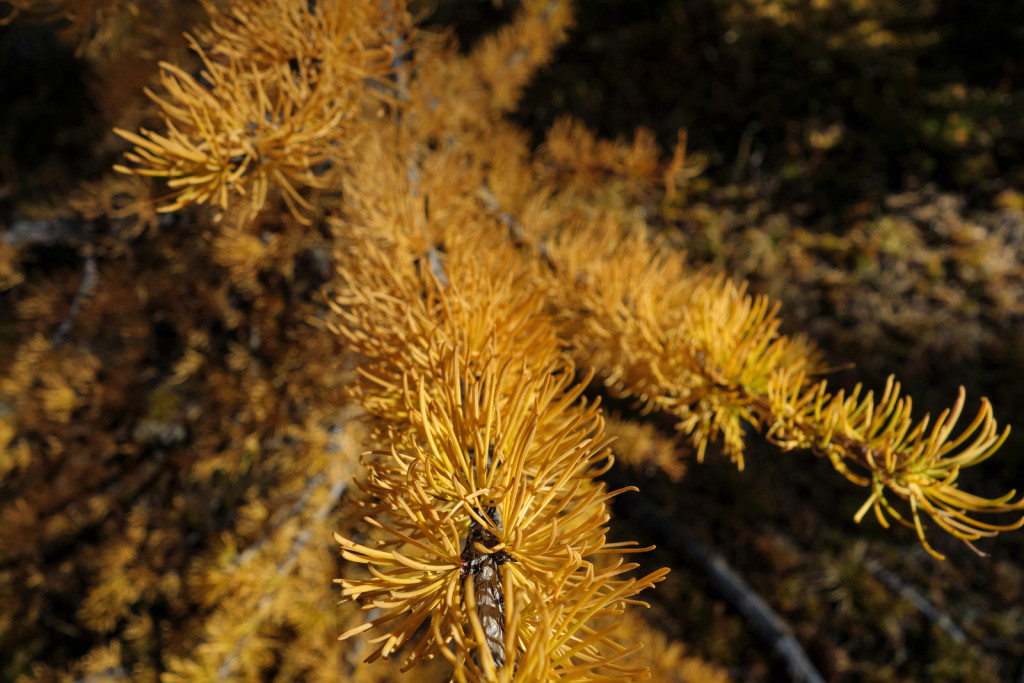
[302, 539]
[56, 231]
[516, 231]
[115, 673]
[768, 626]
[914, 597]
[85, 287]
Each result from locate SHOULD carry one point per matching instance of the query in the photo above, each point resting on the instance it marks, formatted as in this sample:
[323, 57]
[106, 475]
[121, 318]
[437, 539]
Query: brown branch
[486, 572]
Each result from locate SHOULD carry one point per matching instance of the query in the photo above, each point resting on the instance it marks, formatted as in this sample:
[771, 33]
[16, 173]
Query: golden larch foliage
[332, 291]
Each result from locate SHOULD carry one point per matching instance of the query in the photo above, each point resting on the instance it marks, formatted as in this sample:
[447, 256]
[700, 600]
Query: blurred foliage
[833, 100]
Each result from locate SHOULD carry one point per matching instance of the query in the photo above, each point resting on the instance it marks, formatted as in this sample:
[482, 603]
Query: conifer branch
[281, 87]
[701, 348]
[918, 464]
[529, 514]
